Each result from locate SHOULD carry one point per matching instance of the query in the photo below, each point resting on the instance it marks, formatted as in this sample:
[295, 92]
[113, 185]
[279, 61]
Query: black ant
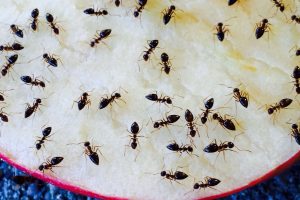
[162, 99]
[296, 19]
[296, 76]
[183, 148]
[92, 11]
[152, 44]
[225, 123]
[189, 117]
[50, 20]
[221, 30]
[139, 8]
[83, 101]
[31, 109]
[49, 164]
[15, 29]
[3, 115]
[279, 5]
[109, 100]
[165, 62]
[165, 122]
[177, 175]
[231, 2]
[296, 133]
[208, 106]
[100, 36]
[134, 130]
[33, 81]
[91, 152]
[50, 59]
[208, 183]
[14, 47]
[10, 62]
[34, 14]
[46, 134]
[167, 14]
[261, 28]
[241, 96]
[283, 103]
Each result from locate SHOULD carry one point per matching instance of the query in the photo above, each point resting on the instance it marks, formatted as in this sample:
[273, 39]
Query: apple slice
[70, 99]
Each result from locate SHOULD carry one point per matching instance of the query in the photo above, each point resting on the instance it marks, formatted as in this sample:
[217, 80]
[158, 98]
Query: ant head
[41, 167]
[169, 100]
[281, 8]
[236, 90]
[38, 146]
[293, 17]
[270, 111]
[45, 55]
[39, 100]
[220, 24]
[155, 125]
[133, 145]
[190, 149]
[117, 95]
[85, 94]
[42, 84]
[1, 48]
[294, 126]
[104, 12]
[265, 20]
[172, 7]
[164, 57]
[86, 144]
[215, 116]
[136, 13]
[230, 145]
[196, 186]
[92, 44]
[163, 173]
[13, 26]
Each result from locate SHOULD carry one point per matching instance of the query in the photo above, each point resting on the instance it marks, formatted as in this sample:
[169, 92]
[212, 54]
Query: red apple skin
[78, 190]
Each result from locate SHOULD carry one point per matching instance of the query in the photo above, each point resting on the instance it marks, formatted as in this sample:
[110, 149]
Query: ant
[100, 36]
[34, 14]
[261, 28]
[10, 62]
[296, 133]
[279, 4]
[15, 29]
[177, 175]
[32, 81]
[104, 102]
[165, 122]
[46, 134]
[283, 103]
[221, 30]
[225, 123]
[3, 115]
[208, 183]
[91, 152]
[50, 20]
[134, 130]
[83, 101]
[183, 148]
[208, 105]
[296, 76]
[167, 14]
[231, 2]
[189, 117]
[240, 96]
[162, 99]
[50, 59]
[165, 62]
[49, 164]
[31, 109]
[92, 11]
[296, 19]
[14, 47]
[139, 8]
[152, 44]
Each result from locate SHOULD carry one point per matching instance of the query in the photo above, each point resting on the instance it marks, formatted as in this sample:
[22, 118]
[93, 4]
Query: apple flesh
[201, 66]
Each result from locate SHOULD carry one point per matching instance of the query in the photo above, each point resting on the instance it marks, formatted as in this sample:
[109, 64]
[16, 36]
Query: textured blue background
[284, 186]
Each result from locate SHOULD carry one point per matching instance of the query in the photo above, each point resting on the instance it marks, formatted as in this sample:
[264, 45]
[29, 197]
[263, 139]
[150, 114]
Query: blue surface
[285, 186]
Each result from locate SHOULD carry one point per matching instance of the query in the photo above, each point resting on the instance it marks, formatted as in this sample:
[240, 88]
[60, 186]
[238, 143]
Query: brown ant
[296, 133]
[49, 164]
[31, 109]
[162, 99]
[221, 30]
[189, 117]
[41, 140]
[34, 14]
[165, 62]
[10, 62]
[152, 44]
[3, 115]
[177, 175]
[231, 2]
[33, 81]
[283, 103]
[183, 148]
[105, 101]
[83, 101]
[208, 106]
[52, 24]
[296, 19]
[279, 4]
[14, 47]
[170, 119]
[96, 12]
[225, 123]
[261, 28]
[139, 8]
[208, 183]
[100, 36]
[296, 76]
[167, 14]
[15, 29]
